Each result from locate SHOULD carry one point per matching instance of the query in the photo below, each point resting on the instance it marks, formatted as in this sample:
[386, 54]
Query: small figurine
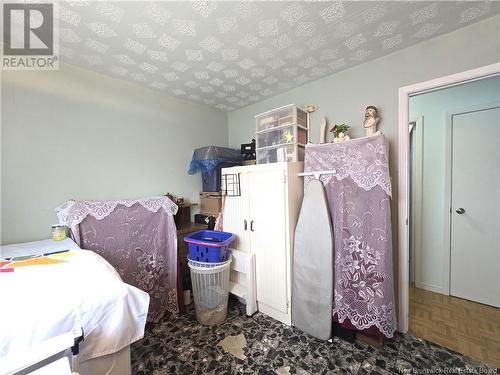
[371, 120]
[288, 137]
[339, 133]
[310, 108]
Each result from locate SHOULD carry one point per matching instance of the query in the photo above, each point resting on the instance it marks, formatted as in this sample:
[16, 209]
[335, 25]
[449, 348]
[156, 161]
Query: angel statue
[371, 120]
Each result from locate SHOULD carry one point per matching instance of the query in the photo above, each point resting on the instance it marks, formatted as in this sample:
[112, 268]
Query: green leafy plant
[342, 128]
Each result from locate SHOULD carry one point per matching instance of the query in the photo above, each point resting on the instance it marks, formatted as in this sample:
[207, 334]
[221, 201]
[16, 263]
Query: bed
[64, 289]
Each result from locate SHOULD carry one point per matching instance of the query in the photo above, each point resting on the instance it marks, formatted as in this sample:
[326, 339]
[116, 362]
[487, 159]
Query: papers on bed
[36, 253]
[52, 257]
[83, 291]
[36, 247]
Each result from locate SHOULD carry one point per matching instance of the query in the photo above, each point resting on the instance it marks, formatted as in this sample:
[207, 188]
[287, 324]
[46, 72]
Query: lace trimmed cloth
[358, 195]
[138, 237]
[364, 160]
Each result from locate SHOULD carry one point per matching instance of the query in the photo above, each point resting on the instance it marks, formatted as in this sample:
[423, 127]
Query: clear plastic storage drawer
[276, 137]
[281, 135]
[278, 154]
[280, 117]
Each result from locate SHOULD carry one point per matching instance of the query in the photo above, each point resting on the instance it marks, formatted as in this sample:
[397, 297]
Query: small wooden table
[183, 216]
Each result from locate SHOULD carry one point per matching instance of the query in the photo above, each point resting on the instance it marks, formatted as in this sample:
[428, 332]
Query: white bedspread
[42, 301]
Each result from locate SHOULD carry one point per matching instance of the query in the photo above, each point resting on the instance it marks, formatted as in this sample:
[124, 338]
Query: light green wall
[76, 134]
[342, 97]
[113, 139]
[433, 106]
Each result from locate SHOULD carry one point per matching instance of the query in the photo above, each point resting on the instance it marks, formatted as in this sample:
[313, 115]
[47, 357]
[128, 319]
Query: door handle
[245, 224]
[251, 225]
[460, 211]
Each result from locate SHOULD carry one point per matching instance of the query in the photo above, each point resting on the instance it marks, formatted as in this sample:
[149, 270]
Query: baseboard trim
[432, 288]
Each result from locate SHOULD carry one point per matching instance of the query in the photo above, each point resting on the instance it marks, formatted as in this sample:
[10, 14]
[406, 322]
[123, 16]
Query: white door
[475, 206]
[235, 220]
[268, 237]
[236, 216]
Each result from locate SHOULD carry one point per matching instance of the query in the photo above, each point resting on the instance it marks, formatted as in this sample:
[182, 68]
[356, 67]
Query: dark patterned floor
[185, 347]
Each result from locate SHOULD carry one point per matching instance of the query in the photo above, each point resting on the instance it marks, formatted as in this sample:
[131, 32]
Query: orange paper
[35, 262]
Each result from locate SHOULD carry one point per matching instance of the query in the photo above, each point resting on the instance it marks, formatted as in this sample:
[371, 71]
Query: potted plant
[339, 133]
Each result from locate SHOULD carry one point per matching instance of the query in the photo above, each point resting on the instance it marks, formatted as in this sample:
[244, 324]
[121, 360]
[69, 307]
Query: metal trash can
[210, 282]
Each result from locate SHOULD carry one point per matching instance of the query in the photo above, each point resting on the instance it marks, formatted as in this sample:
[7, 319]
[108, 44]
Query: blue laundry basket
[209, 246]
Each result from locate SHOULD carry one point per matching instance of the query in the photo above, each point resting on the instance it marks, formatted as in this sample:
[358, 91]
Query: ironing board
[312, 285]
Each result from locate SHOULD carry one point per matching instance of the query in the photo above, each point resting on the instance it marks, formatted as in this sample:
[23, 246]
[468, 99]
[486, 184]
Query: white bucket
[210, 282]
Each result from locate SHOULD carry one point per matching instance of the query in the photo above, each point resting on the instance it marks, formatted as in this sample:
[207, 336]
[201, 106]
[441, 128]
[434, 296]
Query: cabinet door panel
[268, 238]
[235, 214]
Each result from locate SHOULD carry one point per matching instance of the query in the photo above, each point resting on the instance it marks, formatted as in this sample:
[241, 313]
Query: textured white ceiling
[229, 54]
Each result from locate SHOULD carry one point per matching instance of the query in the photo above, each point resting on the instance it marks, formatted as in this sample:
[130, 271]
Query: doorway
[453, 217]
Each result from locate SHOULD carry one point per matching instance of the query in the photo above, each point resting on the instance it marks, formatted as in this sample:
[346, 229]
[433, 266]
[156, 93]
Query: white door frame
[403, 196]
[417, 211]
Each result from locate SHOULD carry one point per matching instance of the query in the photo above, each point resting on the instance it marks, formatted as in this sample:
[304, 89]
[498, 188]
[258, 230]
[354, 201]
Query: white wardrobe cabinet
[263, 218]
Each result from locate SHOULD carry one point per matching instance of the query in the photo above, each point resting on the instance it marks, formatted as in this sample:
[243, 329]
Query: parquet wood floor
[467, 327]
